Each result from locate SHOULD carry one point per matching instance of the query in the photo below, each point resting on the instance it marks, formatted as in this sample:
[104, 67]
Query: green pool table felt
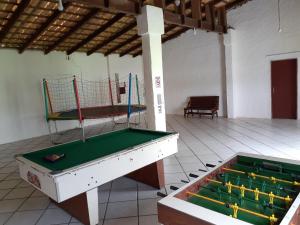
[79, 152]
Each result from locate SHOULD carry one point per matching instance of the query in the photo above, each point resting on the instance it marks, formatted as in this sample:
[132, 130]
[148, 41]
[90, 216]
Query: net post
[138, 95]
[45, 99]
[137, 89]
[78, 105]
[46, 96]
[118, 88]
[129, 99]
[110, 91]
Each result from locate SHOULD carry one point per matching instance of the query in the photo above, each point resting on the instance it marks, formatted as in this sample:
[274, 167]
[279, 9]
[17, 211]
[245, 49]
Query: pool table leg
[152, 175]
[83, 207]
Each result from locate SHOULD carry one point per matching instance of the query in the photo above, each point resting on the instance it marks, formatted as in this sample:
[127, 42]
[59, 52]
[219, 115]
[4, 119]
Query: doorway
[284, 89]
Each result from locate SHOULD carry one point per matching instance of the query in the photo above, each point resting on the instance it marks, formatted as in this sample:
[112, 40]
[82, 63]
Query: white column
[151, 27]
[229, 74]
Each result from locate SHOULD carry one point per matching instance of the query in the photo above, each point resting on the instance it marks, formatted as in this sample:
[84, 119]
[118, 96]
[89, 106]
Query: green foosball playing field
[257, 191]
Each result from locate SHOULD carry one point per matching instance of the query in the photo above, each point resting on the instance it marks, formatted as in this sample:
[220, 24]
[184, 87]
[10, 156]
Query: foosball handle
[184, 181]
[193, 175]
[173, 188]
[160, 194]
[210, 165]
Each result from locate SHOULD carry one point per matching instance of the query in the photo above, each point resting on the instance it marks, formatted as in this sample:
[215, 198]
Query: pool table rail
[71, 182]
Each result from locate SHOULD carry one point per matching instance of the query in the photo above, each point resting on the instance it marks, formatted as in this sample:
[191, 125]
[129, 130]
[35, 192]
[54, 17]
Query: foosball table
[245, 189]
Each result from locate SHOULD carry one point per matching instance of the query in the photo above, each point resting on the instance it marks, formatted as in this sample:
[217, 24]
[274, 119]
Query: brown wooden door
[284, 89]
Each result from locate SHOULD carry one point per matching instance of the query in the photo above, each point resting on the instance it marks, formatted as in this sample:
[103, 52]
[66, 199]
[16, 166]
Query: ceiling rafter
[167, 38]
[43, 27]
[116, 18]
[113, 37]
[235, 4]
[15, 16]
[124, 43]
[179, 17]
[85, 19]
[138, 45]
[73, 27]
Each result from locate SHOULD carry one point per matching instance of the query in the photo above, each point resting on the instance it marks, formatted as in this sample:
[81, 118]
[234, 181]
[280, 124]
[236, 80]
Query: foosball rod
[242, 188]
[254, 175]
[235, 208]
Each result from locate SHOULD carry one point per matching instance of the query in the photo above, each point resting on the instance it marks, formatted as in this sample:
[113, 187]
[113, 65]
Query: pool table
[72, 181]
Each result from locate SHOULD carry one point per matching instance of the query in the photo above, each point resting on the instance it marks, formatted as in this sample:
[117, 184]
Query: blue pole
[129, 98]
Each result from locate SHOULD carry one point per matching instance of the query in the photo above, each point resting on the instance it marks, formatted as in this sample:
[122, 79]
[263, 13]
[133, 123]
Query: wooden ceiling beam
[133, 38]
[177, 18]
[43, 28]
[138, 45]
[132, 48]
[235, 4]
[172, 36]
[85, 19]
[137, 53]
[15, 16]
[124, 6]
[115, 19]
[113, 37]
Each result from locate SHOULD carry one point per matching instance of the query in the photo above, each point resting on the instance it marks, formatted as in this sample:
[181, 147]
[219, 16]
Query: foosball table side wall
[174, 210]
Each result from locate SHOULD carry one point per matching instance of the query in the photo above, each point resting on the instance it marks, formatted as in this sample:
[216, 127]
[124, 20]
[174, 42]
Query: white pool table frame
[63, 185]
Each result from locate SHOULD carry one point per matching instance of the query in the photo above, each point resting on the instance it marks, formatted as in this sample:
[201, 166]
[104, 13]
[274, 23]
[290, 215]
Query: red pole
[48, 94]
[110, 92]
[77, 99]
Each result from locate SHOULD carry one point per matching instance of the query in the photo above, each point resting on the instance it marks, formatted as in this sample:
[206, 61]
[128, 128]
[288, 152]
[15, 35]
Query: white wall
[21, 101]
[255, 42]
[193, 65]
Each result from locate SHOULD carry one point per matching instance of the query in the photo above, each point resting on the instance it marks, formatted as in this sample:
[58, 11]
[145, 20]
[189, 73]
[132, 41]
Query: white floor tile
[148, 220]
[7, 184]
[102, 210]
[173, 168]
[119, 195]
[35, 203]
[19, 193]
[174, 177]
[25, 218]
[54, 216]
[122, 221]
[121, 209]
[124, 183]
[103, 196]
[8, 169]
[146, 191]
[4, 217]
[7, 206]
[148, 206]
[4, 192]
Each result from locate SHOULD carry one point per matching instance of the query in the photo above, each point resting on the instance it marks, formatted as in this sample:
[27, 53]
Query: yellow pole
[273, 179]
[243, 189]
[235, 208]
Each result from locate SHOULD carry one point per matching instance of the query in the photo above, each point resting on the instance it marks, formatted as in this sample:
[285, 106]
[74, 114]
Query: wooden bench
[202, 105]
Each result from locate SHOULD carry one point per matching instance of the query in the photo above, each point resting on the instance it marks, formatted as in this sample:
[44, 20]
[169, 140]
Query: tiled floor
[126, 202]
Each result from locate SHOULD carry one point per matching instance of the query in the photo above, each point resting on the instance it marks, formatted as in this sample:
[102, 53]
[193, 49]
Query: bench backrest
[204, 102]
